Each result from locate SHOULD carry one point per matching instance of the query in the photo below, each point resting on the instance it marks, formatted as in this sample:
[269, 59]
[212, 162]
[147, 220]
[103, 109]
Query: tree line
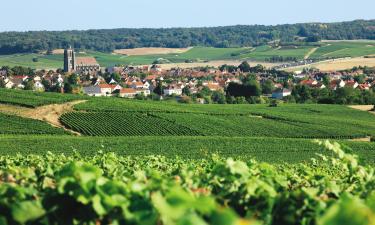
[228, 36]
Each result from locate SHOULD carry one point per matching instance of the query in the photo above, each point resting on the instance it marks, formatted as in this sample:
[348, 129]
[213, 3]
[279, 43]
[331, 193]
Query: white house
[38, 86]
[281, 93]
[127, 93]
[8, 83]
[173, 89]
[145, 92]
[92, 90]
[337, 84]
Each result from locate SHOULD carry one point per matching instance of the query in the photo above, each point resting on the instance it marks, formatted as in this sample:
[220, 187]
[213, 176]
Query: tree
[360, 79]
[73, 79]
[46, 84]
[159, 89]
[252, 88]
[186, 91]
[267, 87]
[244, 67]
[218, 97]
[2, 83]
[29, 84]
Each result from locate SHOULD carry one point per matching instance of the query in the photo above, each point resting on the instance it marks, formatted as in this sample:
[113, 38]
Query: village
[85, 76]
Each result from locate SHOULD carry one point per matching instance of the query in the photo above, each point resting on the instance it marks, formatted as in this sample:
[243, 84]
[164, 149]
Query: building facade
[86, 65]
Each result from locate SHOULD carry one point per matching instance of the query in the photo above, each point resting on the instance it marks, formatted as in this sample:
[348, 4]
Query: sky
[26, 15]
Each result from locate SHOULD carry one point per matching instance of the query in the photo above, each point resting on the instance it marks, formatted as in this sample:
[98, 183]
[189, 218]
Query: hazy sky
[22, 15]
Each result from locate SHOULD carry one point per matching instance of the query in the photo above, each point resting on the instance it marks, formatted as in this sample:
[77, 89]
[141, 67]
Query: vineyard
[123, 124]
[291, 121]
[10, 124]
[110, 189]
[271, 150]
[34, 99]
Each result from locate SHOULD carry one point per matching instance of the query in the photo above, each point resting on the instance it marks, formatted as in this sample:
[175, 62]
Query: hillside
[264, 54]
[222, 37]
[132, 127]
[152, 162]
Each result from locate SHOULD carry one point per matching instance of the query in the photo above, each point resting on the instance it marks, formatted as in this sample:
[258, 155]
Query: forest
[108, 40]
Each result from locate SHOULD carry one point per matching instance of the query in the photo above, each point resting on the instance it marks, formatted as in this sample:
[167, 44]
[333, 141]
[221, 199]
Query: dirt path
[47, 113]
[310, 53]
[363, 108]
[366, 139]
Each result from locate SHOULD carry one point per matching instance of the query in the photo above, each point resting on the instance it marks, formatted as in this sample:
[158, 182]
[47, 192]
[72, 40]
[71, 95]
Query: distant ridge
[107, 40]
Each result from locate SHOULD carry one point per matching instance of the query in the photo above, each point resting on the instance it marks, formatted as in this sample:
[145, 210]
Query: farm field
[338, 64]
[137, 161]
[10, 124]
[292, 120]
[200, 56]
[33, 99]
[109, 188]
[264, 149]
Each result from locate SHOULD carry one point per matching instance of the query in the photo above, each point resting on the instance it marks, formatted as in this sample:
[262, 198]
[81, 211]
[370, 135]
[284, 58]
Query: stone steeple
[69, 60]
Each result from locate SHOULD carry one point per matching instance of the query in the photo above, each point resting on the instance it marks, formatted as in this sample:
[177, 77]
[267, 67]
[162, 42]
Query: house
[145, 92]
[308, 82]
[38, 86]
[318, 86]
[8, 83]
[93, 90]
[363, 87]
[337, 84]
[127, 93]
[136, 84]
[351, 84]
[280, 93]
[101, 89]
[214, 86]
[173, 90]
[18, 81]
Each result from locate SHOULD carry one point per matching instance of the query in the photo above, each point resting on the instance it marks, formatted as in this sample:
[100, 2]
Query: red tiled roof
[107, 86]
[127, 91]
[86, 61]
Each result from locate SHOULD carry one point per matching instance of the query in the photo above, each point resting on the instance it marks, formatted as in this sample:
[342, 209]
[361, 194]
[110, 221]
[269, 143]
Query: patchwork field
[200, 56]
[151, 51]
[272, 150]
[339, 64]
[131, 127]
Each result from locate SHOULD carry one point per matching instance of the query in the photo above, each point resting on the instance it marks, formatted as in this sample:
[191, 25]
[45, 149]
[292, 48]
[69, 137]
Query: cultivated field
[113, 117]
[202, 56]
[150, 51]
[139, 162]
[338, 64]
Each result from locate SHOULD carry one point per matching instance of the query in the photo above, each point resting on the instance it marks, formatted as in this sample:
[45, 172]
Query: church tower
[69, 60]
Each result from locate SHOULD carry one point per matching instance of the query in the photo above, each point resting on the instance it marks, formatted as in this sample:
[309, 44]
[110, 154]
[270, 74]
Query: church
[83, 65]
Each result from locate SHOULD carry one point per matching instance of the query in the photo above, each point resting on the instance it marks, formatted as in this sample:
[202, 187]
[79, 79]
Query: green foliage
[260, 148]
[10, 124]
[309, 121]
[110, 189]
[34, 99]
[122, 124]
[221, 37]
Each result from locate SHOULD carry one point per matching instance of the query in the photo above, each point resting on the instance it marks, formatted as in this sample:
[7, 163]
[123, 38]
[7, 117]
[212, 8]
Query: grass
[273, 150]
[344, 49]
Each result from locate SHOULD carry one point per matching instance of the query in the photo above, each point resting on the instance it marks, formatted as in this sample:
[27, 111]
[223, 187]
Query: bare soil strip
[366, 139]
[151, 51]
[338, 64]
[215, 63]
[363, 107]
[310, 53]
[48, 113]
